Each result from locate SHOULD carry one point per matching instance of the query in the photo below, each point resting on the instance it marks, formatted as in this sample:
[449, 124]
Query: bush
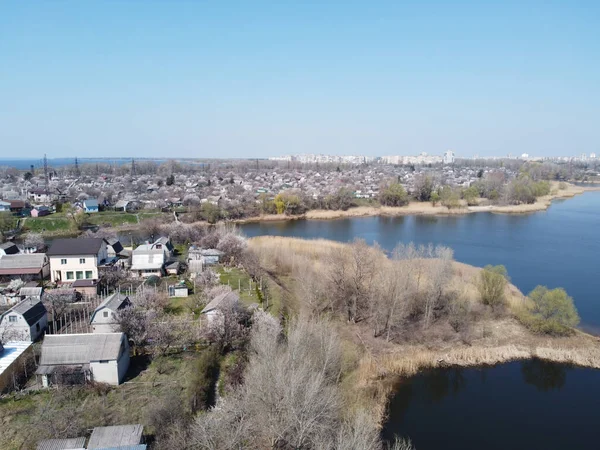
[553, 312]
[204, 379]
[393, 194]
[492, 282]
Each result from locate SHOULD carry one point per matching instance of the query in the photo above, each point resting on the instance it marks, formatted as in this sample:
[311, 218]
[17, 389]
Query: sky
[247, 79]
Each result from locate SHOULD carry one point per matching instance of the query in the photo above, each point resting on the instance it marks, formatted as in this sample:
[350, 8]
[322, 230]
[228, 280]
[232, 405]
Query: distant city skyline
[265, 79]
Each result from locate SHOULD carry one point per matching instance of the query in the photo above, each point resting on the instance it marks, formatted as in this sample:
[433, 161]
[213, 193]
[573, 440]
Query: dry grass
[376, 364]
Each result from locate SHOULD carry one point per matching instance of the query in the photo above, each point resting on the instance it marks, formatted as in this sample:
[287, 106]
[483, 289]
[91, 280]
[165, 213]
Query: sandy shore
[426, 208]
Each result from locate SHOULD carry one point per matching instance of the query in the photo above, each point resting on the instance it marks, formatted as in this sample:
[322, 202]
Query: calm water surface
[559, 247]
[521, 405]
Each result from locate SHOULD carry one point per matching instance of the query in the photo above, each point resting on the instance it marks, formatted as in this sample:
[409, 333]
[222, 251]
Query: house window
[12, 318]
[81, 260]
[89, 274]
[79, 274]
[63, 261]
[69, 275]
[105, 313]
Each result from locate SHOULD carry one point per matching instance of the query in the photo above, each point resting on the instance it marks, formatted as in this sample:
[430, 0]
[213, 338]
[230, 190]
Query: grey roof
[211, 252]
[83, 283]
[62, 444]
[221, 299]
[71, 349]
[31, 310]
[115, 436]
[121, 204]
[10, 248]
[85, 246]
[113, 302]
[26, 291]
[23, 261]
[90, 202]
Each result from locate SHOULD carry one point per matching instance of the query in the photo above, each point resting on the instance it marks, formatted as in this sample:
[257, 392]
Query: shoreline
[423, 208]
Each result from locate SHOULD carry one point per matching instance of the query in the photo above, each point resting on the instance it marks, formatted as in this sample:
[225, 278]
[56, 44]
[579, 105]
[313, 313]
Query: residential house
[96, 357]
[77, 259]
[211, 256]
[149, 259]
[126, 205]
[4, 206]
[90, 205]
[17, 206]
[104, 319]
[13, 361]
[39, 195]
[212, 310]
[9, 248]
[25, 266]
[125, 437]
[40, 211]
[77, 443]
[25, 321]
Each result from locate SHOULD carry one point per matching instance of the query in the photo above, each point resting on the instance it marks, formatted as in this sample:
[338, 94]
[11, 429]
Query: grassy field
[113, 219]
[52, 223]
[24, 417]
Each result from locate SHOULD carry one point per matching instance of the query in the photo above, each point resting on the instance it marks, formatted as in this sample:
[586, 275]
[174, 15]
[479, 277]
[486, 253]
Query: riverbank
[428, 209]
[489, 338]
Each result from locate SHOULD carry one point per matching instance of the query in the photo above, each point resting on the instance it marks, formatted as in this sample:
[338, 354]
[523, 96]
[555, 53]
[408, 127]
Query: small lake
[559, 247]
[520, 405]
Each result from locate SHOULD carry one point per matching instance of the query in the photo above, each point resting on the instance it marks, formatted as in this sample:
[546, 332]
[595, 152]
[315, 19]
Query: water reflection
[544, 375]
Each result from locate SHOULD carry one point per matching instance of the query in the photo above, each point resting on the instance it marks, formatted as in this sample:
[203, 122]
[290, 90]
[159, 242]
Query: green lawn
[114, 219]
[51, 223]
[237, 279]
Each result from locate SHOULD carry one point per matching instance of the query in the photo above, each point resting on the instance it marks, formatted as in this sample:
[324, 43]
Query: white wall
[59, 271]
[101, 324]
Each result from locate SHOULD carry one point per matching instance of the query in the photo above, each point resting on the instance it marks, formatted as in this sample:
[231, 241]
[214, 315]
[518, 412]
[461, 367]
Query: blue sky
[257, 78]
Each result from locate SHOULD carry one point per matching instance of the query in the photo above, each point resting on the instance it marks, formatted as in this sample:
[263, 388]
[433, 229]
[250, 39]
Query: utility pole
[132, 167]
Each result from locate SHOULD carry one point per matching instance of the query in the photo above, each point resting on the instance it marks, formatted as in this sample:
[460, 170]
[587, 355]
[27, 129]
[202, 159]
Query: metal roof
[219, 300]
[23, 261]
[30, 291]
[12, 350]
[115, 436]
[71, 349]
[85, 246]
[31, 310]
[62, 444]
[113, 302]
[90, 202]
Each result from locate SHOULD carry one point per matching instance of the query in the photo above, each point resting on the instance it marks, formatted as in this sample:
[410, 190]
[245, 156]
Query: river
[559, 247]
[520, 405]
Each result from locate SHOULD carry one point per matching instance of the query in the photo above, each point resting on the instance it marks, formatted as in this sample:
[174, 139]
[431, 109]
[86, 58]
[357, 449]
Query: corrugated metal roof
[219, 300]
[113, 302]
[62, 444]
[23, 261]
[115, 436]
[31, 291]
[31, 310]
[73, 349]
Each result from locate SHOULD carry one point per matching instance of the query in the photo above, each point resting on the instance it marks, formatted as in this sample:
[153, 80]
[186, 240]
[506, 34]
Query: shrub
[204, 379]
[393, 194]
[562, 185]
[553, 312]
[492, 282]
